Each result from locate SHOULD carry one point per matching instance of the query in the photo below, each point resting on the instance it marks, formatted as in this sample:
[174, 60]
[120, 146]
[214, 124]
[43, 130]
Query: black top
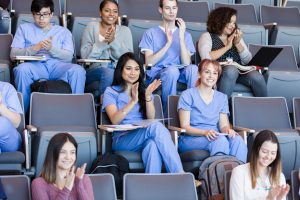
[231, 53]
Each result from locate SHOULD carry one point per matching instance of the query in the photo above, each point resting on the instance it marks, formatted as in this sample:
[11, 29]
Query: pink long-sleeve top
[82, 190]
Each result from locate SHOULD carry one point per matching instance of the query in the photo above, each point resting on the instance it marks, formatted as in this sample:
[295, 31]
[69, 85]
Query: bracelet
[149, 100]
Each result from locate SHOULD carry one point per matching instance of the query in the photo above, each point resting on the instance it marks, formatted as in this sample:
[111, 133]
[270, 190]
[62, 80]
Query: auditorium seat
[5, 41]
[257, 5]
[283, 75]
[191, 160]
[253, 114]
[134, 158]
[159, 186]
[55, 113]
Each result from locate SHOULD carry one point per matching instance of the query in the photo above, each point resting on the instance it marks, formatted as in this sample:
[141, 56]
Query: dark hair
[37, 5]
[119, 81]
[104, 2]
[203, 64]
[218, 18]
[48, 172]
[261, 137]
[161, 3]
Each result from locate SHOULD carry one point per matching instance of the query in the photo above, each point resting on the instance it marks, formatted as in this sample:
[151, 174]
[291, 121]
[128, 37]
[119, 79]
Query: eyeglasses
[42, 15]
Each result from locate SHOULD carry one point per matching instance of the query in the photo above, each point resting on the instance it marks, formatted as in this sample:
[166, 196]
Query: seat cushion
[194, 155]
[16, 157]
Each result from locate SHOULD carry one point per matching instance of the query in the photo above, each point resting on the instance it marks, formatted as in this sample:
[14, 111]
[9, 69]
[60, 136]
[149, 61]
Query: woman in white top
[262, 177]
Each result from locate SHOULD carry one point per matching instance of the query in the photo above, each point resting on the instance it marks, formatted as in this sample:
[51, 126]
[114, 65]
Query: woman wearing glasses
[262, 177]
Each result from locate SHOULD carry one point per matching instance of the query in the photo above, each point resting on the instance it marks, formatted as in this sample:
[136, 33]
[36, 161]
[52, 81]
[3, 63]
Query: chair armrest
[175, 132]
[270, 26]
[174, 128]
[21, 59]
[31, 128]
[27, 149]
[243, 132]
[105, 129]
[88, 62]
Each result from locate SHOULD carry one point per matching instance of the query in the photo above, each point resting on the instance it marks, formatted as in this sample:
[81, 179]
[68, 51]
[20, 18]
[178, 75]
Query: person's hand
[110, 34]
[210, 135]
[237, 36]
[70, 177]
[230, 41]
[169, 35]
[181, 25]
[47, 44]
[231, 133]
[152, 87]
[80, 171]
[38, 46]
[283, 191]
[135, 92]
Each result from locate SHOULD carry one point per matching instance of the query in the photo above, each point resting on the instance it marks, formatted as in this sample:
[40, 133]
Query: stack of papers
[32, 58]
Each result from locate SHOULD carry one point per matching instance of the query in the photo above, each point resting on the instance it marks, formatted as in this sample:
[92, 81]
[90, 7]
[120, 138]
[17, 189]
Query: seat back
[295, 184]
[193, 11]
[62, 109]
[195, 29]
[287, 35]
[159, 186]
[296, 111]
[293, 4]
[227, 184]
[254, 34]
[137, 28]
[139, 9]
[79, 8]
[258, 113]
[285, 60]
[72, 113]
[22, 123]
[5, 41]
[289, 16]
[257, 5]
[16, 187]
[173, 118]
[103, 186]
[246, 13]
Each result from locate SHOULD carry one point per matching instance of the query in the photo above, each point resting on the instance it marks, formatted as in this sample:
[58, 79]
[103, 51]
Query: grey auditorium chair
[253, 114]
[16, 187]
[177, 186]
[191, 160]
[55, 113]
[103, 186]
[134, 158]
[295, 184]
[18, 162]
[5, 41]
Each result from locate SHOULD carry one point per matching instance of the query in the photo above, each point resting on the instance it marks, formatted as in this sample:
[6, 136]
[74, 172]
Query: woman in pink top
[59, 179]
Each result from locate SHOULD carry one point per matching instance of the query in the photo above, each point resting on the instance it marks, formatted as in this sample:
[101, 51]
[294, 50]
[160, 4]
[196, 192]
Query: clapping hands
[152, 87]
[110, 34]
[70, 177]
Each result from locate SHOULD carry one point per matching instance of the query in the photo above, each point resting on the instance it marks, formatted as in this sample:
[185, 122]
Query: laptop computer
[265, 56]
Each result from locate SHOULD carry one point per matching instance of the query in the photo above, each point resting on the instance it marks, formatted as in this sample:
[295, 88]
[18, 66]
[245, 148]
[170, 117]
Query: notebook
[265, 56]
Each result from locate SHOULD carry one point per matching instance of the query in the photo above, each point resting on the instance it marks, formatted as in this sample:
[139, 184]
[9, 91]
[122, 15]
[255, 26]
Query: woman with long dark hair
[262, 177]
[128, 101]
[59, 179]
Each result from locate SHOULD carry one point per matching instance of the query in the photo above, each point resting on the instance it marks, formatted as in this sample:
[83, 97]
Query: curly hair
[218, 18]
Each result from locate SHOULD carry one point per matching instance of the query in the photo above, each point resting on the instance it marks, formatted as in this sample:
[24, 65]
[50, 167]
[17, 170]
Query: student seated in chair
[10, 110]
[203, 112]
[105, 40]
[127, 101]
[54, 42]
[262, 177]
[168, 48]
[224, 40]
[59, 179]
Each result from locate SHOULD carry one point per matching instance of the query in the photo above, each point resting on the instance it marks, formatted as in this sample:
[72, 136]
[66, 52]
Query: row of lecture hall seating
[74, 113]
[154, 186]
[158, 186]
